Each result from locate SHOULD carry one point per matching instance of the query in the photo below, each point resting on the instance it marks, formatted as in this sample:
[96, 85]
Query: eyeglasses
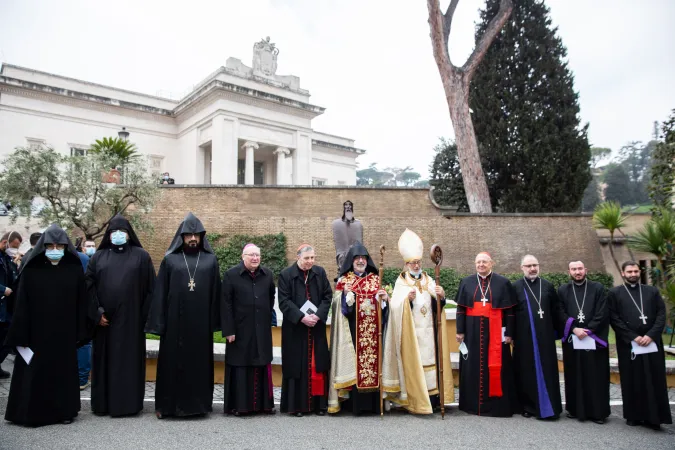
[530, 266]
[252, 255]
[360, 258]
[415, 263]
[191, 234]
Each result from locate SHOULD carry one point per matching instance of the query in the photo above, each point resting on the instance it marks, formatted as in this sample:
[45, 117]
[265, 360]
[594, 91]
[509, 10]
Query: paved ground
[397, 430]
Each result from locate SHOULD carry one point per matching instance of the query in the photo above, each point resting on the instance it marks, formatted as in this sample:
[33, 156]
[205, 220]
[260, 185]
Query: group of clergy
[380, 346]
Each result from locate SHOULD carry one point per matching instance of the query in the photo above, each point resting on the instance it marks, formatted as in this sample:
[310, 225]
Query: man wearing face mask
[410, 359]
[486, 325]
[50, 319]
[120, 279]
[185, 312]
[534, 353]
[8, 274]
[14, 241]
[89, 248]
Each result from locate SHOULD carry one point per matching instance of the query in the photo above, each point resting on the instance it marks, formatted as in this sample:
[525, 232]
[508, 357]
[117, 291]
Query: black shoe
[235, 413]
[655, 427]
[633, 423]
[298, 414]
[321, 413]
[4, 374]
[571, 416]
[526, 414]
[598, 421]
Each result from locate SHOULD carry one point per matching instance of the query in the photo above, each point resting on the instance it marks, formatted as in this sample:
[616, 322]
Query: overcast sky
[368, 62]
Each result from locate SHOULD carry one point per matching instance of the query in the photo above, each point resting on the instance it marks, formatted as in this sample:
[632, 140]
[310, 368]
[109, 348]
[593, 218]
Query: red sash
[494, 345]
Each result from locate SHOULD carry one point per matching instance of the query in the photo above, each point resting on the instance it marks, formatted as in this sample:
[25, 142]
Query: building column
[302, 160]
[249, 176]
[281, 153]
[224, 150]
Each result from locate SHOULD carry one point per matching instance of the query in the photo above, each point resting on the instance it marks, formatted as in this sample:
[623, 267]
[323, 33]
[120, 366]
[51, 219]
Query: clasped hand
[310, 320]
[643, 341]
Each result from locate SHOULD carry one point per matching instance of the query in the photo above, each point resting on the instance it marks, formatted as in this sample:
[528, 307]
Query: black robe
[474, 378]
[50, 318]
[246, 312]
[120, 280]
[185, 321]
[586, 372]
[299, 342]
[643, 379]
[534, 352]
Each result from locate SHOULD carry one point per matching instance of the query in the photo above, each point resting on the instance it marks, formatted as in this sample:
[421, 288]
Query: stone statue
[346, 231]
[265, 58]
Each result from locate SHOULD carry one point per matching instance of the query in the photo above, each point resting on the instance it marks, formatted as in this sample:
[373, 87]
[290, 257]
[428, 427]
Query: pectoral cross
[192, 284]
[484, 301]
[644, 319]
[541, 313]
[581, 316]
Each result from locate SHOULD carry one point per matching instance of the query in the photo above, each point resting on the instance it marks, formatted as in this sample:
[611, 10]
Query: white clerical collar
[580, 284]
[484, 277]
[532, 280]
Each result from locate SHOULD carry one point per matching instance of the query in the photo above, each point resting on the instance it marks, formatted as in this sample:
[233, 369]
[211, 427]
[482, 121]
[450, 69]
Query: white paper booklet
[587, 343]
[308, 308]
[26, 353]
[640, 350]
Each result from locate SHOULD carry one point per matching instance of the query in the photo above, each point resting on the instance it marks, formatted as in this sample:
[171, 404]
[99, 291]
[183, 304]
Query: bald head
[530, 267]
[484, 263]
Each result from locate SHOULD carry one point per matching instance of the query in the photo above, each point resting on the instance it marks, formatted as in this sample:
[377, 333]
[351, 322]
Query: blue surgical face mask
[118, 238]
[55, 254]
[89, 251]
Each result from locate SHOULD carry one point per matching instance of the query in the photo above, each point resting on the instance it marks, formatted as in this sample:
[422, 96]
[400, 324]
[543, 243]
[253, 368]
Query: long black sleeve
[660, 323]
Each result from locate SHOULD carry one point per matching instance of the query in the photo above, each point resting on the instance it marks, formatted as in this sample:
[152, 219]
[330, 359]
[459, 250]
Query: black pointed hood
[357, 249]
[191, 224]
[119, 222]
[54, 234]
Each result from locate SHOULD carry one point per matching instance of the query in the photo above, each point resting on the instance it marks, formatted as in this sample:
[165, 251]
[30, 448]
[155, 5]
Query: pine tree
[526, 114]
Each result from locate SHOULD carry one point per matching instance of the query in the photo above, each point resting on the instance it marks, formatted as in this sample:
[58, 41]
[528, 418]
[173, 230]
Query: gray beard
[349, 216]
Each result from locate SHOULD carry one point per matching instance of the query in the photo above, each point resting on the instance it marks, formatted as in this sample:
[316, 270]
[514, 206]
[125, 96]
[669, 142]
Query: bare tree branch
[439, 42]
[493, 29]
[447, 20]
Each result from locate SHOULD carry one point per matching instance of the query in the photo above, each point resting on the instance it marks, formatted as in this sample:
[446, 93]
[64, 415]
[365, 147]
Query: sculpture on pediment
[265, 57]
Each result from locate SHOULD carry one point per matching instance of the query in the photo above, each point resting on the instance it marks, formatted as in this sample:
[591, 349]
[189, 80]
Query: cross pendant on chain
[192, 284]
[644, 319]
[541, 313]
[581, 316]
[484, 300]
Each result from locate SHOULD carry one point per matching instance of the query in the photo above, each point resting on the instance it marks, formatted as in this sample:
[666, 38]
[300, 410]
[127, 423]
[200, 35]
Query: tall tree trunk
[456, 85]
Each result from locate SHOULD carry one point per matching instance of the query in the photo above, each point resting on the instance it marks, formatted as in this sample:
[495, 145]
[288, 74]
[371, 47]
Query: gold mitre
[410, 246]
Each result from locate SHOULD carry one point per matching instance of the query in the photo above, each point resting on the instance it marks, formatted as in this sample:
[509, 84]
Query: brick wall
[305, 214]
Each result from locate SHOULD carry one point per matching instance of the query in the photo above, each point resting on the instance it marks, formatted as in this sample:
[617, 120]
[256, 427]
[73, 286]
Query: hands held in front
[104, 321]
[230, 339]
[460, 338]
[643, 341]
[412, 295]
[8, 292]
[580, 332]
[310, 320]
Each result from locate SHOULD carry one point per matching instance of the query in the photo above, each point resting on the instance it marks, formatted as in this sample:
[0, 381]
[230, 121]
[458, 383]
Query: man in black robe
[486, 324]
[534, 352]
[50, 319]
[247, 304]
[354, 371]
[304, 347]
[585, 314]
[638, 316]
[185, 314]
[120, 278]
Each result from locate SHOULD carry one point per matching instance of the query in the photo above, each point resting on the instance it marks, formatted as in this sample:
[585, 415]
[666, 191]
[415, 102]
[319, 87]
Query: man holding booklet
[638, 316]
[304, 299]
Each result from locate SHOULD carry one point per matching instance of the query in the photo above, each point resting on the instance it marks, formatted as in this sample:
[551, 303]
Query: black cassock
[534, 352]
[304, 350]
[643, 379]
[246, 313]
[50, 318]
[185, 320]
[480, 376]
[120, 280]
[586, 371]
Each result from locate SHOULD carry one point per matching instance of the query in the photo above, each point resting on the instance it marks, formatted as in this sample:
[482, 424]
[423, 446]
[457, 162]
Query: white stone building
[241, 125]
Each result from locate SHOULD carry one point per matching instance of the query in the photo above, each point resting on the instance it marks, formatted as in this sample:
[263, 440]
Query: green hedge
[228, 252]
[449, 279]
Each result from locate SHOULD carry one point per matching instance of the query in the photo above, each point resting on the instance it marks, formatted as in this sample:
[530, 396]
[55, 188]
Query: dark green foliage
[535, 152]
[661, 187]
[450, 279]
[591, 197]
[618, 184]
[636, 158]
[446, 177]
[272, 249]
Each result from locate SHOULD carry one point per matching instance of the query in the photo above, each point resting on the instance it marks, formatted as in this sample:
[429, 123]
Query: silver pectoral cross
[644, 319]
[581, 317]
[484, 300]
[192, 284]
[541, 313]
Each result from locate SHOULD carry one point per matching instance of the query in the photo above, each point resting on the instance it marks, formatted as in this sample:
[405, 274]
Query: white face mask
[12, 252]
[415, 272]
